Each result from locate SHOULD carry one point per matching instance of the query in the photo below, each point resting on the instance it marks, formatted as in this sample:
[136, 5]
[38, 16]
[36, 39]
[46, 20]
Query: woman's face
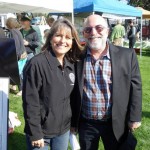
[61, 41]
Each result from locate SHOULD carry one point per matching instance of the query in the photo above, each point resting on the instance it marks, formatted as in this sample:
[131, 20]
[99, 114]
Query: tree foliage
[140, 3]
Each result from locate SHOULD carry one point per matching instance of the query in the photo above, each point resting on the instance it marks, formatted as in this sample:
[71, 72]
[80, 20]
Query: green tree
[140, 3]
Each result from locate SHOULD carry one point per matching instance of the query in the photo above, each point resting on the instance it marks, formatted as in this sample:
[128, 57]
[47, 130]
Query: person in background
[132, 34]
[107, 99]
[13, 26]
[31, 39]
[48, 83]
[50, 21]
[137, 32]
[118, 34]
[46, 32]
[2, 33]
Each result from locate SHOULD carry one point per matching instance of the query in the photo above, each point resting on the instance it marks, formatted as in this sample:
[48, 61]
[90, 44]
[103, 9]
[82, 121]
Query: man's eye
[99, 28]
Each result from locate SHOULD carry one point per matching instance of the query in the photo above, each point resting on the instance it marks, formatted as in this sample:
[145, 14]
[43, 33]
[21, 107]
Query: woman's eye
[57, 35]
[61, 36]
[69, 38]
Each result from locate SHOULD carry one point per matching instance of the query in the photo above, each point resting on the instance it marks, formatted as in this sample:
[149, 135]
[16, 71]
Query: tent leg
[72, 16]
[141, 39]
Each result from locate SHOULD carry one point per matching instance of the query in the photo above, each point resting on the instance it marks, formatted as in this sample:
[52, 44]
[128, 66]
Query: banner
[4, 86]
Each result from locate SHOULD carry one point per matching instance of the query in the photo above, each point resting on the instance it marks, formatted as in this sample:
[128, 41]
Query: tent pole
[72, 16]
[141, 39]
[72, 13]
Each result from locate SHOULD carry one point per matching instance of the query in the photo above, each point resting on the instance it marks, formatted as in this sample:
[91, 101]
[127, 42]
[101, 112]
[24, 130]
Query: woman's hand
[23, 55]
[38, 143]
[73, 130]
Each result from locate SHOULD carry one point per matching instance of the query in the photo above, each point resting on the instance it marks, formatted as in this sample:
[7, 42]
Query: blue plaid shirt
[97, 101]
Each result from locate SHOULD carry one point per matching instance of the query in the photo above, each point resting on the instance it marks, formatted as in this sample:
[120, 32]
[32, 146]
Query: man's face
[131, 24]
[25, 24]
[96, 32]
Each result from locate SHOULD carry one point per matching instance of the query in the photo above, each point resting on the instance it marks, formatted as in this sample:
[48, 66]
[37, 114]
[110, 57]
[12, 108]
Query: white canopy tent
[34, 6]
[37, 6]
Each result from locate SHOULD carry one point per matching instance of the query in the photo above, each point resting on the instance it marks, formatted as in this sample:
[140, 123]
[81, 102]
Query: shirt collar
[67, 63]
[56, 63]
[108, 53]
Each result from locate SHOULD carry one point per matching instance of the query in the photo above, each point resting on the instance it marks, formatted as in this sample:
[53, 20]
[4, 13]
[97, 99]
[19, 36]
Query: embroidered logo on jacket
[72, 78]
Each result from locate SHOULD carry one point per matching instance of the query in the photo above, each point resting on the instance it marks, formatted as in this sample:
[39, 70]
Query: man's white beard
[98, 44]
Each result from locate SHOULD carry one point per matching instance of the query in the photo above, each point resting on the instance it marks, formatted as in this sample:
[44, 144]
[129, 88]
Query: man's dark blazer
[126, 89]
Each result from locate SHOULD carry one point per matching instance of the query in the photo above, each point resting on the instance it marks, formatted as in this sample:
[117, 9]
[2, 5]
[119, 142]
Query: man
[132, 34]
[31, 40]
[107, 93]
[117, 34]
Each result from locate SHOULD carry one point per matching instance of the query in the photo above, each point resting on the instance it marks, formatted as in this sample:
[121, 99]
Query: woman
[48, 83]
[13, 26]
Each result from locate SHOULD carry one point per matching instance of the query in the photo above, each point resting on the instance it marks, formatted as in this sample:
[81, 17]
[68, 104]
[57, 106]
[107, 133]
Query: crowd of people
[93, 91]
[26, 40]
[119, 33]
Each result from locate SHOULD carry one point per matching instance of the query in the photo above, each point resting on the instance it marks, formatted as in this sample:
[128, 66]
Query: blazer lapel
[80, 72]
[115, 60]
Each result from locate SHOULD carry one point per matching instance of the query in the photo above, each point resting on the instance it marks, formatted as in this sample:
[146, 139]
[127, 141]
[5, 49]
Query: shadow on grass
[146, 114]
[16, 141]
[144, 54]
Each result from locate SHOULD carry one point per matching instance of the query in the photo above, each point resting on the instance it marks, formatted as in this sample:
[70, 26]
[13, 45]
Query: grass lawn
[17, 139]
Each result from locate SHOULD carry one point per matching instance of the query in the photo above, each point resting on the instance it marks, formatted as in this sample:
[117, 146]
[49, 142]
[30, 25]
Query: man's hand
[38, 143]
[134, 125]
[26, 43]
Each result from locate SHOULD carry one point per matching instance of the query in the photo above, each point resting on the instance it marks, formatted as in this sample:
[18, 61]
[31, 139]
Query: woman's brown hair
[74, 53]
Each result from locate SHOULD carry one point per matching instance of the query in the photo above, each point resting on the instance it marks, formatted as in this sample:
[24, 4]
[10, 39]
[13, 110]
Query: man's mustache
[93, 37]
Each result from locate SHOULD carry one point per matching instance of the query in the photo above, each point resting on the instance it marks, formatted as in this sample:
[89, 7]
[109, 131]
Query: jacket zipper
[79, 113]
[64, 99]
